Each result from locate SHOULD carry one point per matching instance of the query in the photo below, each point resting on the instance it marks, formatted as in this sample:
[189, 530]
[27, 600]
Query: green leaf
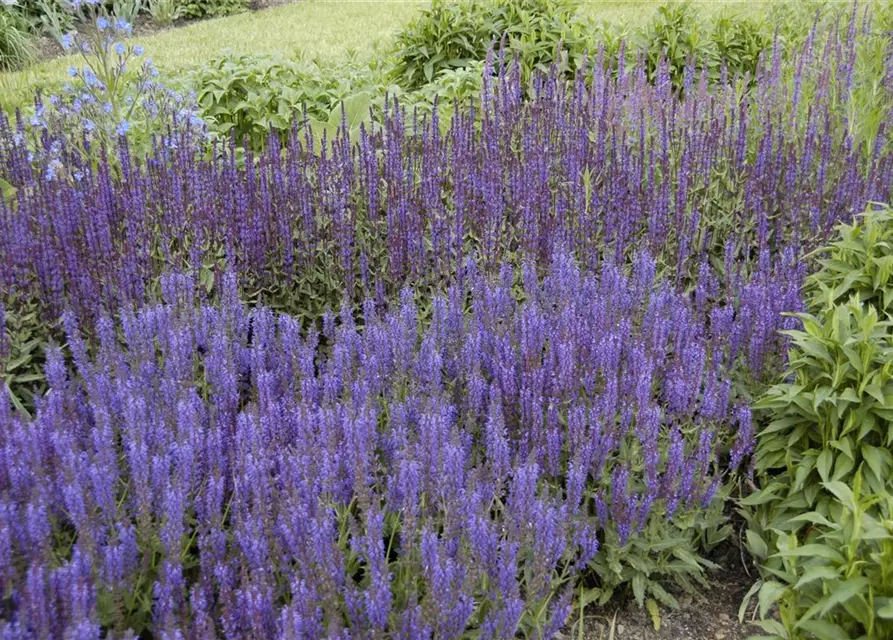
[884, 608]
[843, 493]
[820, 572]
[638, 583]
[756, 545]
[824, 630]
[813, 550]
[654, 612]
[842, 592]
[770, 593]
[823, 464]
[874, 458]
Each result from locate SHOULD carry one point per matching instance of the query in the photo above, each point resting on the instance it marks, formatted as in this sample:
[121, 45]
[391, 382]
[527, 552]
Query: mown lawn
[328, 29]
[325, 29]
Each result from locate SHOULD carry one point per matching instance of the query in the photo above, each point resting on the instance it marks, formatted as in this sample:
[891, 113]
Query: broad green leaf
[843, 493]
[820, 572]
[812, 550]
[824, 630]
[770, 592]
[756, 545]
[654, 612]
[823, 464]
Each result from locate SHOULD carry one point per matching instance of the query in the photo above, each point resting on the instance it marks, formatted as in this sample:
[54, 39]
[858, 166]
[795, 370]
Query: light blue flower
[138, 50]
[67, 41]
[89, 125]
[123, 26]
[102, 23]
[120, 49]
[107, 107]
[123, 127]
[73, 72]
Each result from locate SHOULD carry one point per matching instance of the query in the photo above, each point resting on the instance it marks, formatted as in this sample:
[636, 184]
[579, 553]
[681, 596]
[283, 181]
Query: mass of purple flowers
[550, 311]
[214, 460]
[604, 166]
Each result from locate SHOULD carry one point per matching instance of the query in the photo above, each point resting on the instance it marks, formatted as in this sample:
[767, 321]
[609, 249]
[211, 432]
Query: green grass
[317, 28]
[329, 30]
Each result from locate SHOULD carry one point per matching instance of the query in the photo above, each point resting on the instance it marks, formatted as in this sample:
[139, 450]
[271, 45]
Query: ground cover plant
[554, 312]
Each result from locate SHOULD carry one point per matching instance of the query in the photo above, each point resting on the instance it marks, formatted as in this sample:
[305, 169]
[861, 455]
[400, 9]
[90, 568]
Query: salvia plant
[554, 312]
[728, 186]
[214, 469]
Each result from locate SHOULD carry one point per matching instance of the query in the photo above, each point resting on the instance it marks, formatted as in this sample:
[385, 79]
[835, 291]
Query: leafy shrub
[250, 96]
[448, 35]
[165, 12]
[212, 8]
[859, 264]
[16, 39]
[836, 584]
[675, 37]
[828, 434]
[738, 45]
[451, 35]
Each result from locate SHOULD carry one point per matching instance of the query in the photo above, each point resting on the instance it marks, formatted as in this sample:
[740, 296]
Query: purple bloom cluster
[416, 471]
[550, 306]
[603, 166]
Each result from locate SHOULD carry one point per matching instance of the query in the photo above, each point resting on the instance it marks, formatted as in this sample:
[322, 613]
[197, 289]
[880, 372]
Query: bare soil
[709, 615]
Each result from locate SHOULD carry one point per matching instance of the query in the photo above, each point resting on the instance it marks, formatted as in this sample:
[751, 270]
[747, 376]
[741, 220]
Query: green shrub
[450, 35]
[212, 8]
[838, 582]
[675, 35]
[859, 264]
[165, 12]
[16, 38]
[829, 433]
[738, 43]
[250, 96]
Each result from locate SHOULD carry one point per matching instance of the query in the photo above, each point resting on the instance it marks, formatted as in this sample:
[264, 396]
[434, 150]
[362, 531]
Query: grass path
[329, 29]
